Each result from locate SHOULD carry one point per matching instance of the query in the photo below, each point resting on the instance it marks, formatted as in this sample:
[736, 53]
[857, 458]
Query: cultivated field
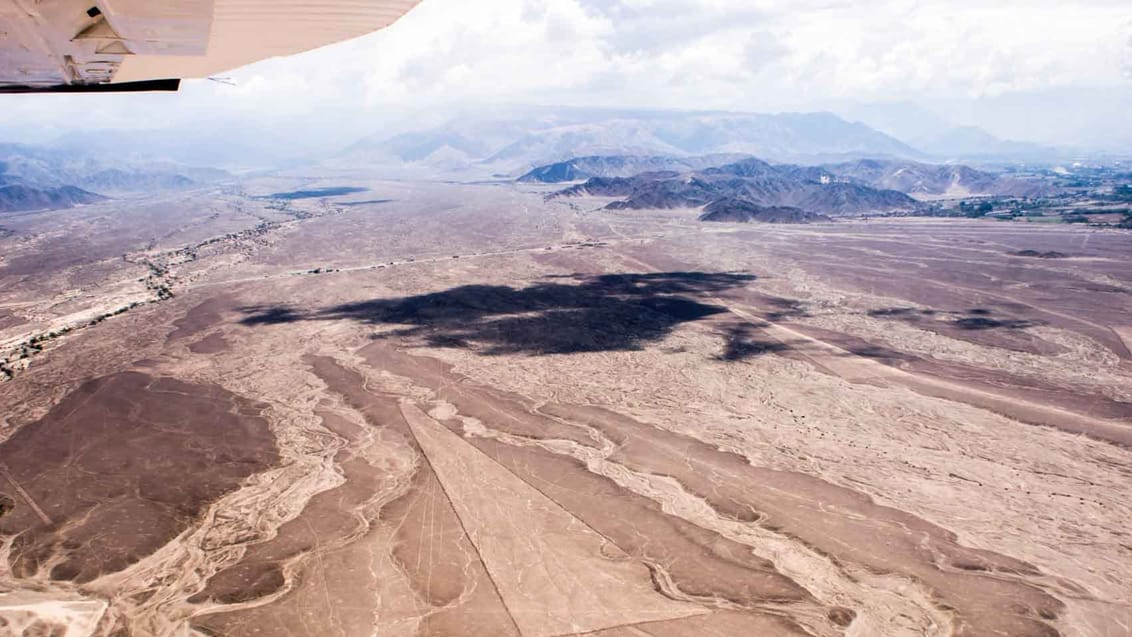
[437, 409]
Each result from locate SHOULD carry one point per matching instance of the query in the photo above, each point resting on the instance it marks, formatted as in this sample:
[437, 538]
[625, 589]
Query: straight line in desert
[1125, 334]
[25, 495]
[1011, 299]
[556, 575]
[855, 368]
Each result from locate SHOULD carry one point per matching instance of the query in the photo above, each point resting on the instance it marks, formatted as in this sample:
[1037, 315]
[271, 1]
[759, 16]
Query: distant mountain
[214, 141]
[973, 143]
[1085, 120]
[937, 136]
[903, 120]
[119, 180]
[512, 145]
[412, 147]
[742, 211]
[451, 148]
[49, 167]
[794, 137]
[582, 168]
[753, 182]
[21, 197]
[627, 137]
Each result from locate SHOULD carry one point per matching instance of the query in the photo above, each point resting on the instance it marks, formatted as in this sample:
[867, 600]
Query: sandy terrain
[467, 411]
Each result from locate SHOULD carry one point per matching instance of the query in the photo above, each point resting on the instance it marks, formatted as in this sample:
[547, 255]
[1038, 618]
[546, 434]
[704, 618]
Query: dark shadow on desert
[561, 315]
[742, 342]
[972, 320]
[316, 193]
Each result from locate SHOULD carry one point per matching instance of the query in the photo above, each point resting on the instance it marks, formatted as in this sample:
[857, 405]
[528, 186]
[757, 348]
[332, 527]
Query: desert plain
[464, 409]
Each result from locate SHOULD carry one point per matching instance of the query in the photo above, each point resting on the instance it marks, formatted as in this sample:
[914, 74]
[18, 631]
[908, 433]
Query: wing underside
[123, 45]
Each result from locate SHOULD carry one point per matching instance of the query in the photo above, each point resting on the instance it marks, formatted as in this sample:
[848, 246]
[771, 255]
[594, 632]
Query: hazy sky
[721, 54]
[734, 53]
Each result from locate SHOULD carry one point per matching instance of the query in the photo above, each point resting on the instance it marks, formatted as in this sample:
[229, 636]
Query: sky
[973, 62]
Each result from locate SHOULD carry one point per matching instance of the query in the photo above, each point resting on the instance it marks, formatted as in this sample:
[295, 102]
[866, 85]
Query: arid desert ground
[442, 409]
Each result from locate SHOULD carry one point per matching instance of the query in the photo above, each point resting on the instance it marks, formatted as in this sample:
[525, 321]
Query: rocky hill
[920, 179]
[582, 168]
[742, 211]
[21, 197]
[909, 177]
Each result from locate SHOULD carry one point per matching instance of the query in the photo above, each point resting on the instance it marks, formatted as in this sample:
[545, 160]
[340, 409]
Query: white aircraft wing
[145, 45]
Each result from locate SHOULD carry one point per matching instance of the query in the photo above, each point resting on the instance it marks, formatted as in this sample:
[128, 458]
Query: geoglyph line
[25, 495]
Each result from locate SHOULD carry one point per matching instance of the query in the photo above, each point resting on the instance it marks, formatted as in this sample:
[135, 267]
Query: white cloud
[679, 51]
[731, 54]
[504, 49]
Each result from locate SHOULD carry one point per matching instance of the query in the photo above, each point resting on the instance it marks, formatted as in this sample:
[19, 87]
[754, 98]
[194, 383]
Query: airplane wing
[148, 45]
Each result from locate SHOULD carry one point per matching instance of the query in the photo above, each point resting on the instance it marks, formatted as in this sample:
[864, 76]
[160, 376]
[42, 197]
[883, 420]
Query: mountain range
[942, 138]
[54, 166]
[48, 177]
[917, 179]
[742, 188]
[551, 145]
[505, 141]
[20, 197]
[472, 146]
[582, 168]
[921, 180]
[509, 142]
